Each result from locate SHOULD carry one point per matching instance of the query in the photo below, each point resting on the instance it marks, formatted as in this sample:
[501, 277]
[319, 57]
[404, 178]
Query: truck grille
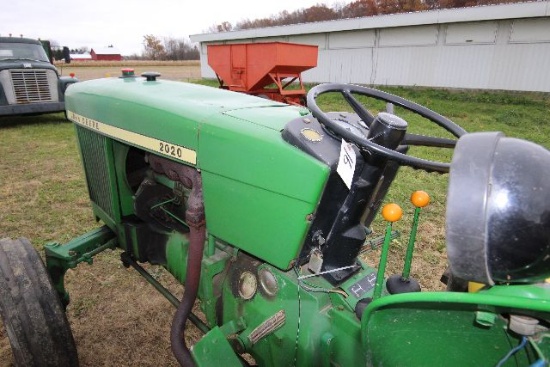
[23, 86]
[31, 86]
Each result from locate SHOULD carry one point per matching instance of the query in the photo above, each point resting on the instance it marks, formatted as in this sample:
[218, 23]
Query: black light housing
[498, 210]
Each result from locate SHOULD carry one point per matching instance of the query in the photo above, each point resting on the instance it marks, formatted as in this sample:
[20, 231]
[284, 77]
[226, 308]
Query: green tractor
[261, 210]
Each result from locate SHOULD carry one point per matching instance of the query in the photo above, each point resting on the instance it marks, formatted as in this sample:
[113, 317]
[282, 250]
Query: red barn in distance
[106, 54]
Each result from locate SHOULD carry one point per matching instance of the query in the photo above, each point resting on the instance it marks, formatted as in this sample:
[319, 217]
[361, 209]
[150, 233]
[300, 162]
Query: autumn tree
[153, 48]
[400, 6]
[318, 13]
[360, 8]
[446, 4]
[355, 9]
[431, 4]
[222, 27]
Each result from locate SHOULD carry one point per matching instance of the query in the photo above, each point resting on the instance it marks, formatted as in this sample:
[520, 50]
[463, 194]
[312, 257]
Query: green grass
[42, 187]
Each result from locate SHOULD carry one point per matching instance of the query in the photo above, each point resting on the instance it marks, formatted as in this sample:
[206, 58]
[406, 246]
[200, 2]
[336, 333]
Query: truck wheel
[30, 308]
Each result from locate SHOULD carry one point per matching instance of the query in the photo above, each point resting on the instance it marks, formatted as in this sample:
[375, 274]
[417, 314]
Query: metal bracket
[60, 258]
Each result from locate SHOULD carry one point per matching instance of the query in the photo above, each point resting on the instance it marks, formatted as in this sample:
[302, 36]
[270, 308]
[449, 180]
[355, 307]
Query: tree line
[355, 9]
[167, 49]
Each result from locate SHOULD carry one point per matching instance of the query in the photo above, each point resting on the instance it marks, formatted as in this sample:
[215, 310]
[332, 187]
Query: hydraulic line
[195, 220]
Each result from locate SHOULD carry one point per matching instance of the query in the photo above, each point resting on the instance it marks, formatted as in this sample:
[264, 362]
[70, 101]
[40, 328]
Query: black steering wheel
[367, 144]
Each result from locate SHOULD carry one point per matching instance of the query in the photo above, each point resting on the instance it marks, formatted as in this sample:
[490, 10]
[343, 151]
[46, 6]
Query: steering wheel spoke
[428, 141]
[361, 111]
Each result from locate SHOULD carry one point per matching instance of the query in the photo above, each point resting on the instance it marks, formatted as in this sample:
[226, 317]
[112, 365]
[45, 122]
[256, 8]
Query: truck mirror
[66, 55]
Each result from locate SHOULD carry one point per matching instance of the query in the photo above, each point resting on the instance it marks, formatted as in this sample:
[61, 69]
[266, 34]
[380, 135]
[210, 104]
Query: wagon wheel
[30, 308]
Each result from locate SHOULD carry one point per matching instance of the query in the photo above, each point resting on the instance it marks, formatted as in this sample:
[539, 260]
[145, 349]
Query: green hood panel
[239, 135]
[263, 116]
[168, 111]
[259, 191]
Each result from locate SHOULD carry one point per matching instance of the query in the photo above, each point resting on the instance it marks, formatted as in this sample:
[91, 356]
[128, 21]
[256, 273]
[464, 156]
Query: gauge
[247, 285]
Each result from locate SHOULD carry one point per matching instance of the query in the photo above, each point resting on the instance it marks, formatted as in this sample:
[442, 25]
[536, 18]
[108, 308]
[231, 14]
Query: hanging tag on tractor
[315, 261]
[346, 163]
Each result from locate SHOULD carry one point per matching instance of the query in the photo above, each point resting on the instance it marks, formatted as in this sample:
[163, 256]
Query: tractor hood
[171, 112]
[257, 187]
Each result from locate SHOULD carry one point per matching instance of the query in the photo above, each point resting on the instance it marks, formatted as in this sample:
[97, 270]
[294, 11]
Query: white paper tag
[346, 164]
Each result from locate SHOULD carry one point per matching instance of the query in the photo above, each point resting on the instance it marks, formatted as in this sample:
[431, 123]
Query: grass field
[116, 317]
[180, 71]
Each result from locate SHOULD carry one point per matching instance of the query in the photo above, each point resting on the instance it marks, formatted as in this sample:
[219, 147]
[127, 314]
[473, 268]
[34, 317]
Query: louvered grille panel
[96, 169]
[31, 86]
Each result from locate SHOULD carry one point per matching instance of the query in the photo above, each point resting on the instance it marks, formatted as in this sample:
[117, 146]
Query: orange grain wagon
[264, 69]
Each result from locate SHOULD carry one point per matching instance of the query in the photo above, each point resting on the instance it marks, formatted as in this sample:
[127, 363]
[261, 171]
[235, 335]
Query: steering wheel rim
[347, 89]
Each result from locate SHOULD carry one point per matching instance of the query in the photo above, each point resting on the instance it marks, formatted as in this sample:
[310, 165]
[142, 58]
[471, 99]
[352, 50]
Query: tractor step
[214, 350]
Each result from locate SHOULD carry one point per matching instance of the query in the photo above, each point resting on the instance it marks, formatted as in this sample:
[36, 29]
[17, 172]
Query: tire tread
[30, 308]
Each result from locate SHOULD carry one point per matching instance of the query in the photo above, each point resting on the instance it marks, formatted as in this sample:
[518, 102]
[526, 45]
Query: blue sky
[99, 23]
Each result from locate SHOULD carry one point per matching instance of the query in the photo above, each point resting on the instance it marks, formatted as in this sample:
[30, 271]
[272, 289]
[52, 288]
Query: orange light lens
[420, 199]
[392, 212]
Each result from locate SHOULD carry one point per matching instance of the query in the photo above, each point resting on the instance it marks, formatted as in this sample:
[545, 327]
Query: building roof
[85, 56]
[106, 51]
[470, 14]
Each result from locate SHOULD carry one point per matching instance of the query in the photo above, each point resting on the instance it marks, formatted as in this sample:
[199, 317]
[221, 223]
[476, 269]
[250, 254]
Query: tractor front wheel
[31, 310]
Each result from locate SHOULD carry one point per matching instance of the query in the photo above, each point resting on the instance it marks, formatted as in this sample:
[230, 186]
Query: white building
[487, 47]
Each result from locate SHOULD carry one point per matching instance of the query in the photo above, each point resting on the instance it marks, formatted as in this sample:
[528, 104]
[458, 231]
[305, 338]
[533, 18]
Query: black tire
[30, 308]
[454, 284]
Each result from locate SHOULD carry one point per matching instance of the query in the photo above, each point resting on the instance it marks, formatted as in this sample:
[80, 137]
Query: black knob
[151, 76]
[387, 130]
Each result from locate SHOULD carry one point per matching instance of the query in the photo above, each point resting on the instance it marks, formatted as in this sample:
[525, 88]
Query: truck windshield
[27, 51]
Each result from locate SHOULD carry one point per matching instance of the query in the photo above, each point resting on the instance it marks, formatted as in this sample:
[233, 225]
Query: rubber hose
[197, 236]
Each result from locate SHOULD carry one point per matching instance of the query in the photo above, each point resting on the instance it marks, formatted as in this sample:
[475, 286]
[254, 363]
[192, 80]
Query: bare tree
[179, 49]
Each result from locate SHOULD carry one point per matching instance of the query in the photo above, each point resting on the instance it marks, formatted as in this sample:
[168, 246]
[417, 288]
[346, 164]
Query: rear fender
[452, 328]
